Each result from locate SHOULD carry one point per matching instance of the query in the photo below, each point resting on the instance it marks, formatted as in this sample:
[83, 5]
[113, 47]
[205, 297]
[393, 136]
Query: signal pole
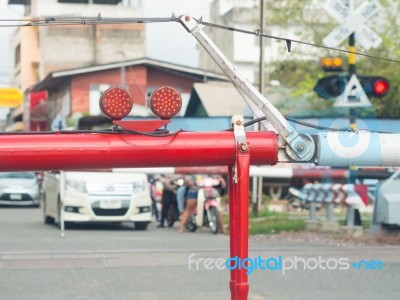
[352, 71]
[352, 56]
[353, 215]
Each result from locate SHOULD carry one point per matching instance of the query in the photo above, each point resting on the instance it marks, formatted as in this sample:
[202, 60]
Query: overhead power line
[99, 20]
[289, 41]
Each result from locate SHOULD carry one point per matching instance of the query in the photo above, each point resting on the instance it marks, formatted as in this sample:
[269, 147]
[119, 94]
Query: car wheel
[46, 219]
[141, 225]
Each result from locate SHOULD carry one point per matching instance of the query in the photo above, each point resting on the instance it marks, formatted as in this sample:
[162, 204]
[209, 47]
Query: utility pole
[123, 76]
[258, 181]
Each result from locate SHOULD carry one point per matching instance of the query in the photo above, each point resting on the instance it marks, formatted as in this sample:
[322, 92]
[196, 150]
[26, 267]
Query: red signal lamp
[165, 102]
[375, 86]
[381, 87]
[116, 103]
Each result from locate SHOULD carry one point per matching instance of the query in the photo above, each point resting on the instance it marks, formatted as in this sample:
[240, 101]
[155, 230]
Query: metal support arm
[298, 147]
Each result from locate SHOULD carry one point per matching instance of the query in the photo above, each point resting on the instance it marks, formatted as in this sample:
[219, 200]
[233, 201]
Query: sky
[164, 41]
[5, 55]
[170, 41]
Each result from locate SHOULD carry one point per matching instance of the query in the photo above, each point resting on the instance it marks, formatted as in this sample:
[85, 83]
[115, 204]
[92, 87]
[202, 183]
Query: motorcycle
[206, 214]
[172, 213]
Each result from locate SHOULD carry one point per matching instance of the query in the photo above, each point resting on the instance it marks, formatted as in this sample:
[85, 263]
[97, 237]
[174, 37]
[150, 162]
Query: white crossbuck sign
[352, 22]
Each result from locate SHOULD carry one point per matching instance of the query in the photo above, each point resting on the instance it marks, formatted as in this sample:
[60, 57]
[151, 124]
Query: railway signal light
[332, 64]
[375, 86]
[331, 86]
[116, 103]
[165, 102]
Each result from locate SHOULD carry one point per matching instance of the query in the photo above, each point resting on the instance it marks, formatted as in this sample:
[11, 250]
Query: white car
[19, 189]
[97, 197]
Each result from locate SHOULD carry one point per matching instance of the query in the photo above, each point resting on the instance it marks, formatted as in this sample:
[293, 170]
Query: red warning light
[165, 102]
[381, 87]
[116, 103]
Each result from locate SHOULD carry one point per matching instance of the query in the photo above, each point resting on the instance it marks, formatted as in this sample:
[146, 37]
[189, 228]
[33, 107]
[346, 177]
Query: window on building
[27, 8]
[150, 89]
[70, 31]
[18, 54]
[94, 97]
[74, 1]
[109, 2]
[120, 33]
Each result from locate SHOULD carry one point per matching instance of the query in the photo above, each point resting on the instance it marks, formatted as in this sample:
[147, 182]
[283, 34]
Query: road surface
[117, 262]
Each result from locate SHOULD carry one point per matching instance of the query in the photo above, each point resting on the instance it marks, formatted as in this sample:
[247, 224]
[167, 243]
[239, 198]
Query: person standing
[168, 198]
[190, 201]
[221, 187]
[180, 197]
[153, 196]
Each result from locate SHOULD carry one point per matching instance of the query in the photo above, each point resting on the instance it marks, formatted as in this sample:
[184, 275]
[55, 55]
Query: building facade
[77, 91]
[41, 50]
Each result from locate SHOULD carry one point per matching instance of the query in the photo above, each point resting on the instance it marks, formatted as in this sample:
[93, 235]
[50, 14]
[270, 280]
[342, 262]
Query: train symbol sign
[353, 96]
[352, 22]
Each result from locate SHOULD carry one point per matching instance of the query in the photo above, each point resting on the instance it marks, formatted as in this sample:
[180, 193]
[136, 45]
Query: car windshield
[21, 175]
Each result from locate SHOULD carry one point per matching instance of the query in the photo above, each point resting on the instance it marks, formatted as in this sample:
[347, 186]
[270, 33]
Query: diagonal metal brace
[298, 147]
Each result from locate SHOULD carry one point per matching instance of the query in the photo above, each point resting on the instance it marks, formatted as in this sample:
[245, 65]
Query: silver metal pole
[62, 195]
[313, 211]
[330, 212]
[350, 216]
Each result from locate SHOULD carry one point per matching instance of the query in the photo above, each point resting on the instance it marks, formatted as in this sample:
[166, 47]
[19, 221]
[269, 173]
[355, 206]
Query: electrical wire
[161, 133]
[56, 132]
[157, 133]
[52, 21]
[307, 124]
[288, 41]
[99, 20]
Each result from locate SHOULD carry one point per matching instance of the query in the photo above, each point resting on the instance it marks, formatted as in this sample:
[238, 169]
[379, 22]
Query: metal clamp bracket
[240, 138]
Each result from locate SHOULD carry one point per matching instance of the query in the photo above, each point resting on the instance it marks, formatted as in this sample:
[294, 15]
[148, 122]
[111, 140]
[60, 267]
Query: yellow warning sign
[11, 97]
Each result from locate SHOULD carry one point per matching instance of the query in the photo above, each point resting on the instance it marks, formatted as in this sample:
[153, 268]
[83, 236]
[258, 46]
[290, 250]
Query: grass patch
[271, 222]
[366, 223]
[266, 213]
[271, 226]
[225, 217]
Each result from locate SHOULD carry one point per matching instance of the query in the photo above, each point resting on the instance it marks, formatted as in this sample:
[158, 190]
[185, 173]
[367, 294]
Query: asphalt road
[117, 262]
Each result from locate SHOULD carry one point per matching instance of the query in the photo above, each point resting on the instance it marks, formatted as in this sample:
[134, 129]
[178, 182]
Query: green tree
[313, 25]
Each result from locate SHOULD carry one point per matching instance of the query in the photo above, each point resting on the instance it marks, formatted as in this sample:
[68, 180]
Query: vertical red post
[239, 221]
[232, 228]
[242, 215]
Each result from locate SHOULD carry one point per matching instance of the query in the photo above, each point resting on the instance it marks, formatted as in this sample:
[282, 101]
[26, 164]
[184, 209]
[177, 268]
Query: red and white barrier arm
[71, 151]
